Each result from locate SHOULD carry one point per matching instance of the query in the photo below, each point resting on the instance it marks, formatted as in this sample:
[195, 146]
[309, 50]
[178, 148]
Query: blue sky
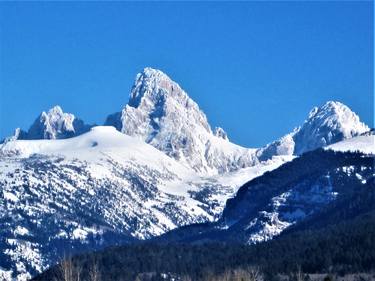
[255, 68]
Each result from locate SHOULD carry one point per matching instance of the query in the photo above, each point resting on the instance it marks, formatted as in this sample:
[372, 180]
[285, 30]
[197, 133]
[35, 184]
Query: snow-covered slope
[304, 191]
[299, 190]
[325, 125]
[364, 144]
[100, 188]
[54, 124]
[163, 115]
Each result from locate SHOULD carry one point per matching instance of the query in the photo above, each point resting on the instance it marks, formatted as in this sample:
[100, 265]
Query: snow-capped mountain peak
[57, 122]
[56, 111]
[161, 113]
[155, 86]
[53, 124]
[156, 97]
[333, 111]
[327, 124]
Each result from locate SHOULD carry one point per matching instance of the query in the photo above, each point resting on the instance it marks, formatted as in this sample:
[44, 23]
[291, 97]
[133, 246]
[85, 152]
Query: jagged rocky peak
[155, 100]
[327, 124]
[153, 84]
[161, 113]
[54, 124]
[220, 133]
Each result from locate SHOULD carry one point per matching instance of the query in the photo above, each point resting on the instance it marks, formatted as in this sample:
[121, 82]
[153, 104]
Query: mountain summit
[161, 113]
[325, 125]
[53, 124]
[157, 104]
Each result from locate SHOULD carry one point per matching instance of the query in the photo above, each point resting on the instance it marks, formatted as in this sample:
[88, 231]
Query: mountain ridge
[53, 124]
[158, 167]
[299, 190]
[162, 114]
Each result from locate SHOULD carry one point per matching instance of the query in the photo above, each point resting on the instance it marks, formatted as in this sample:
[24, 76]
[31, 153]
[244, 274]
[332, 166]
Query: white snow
[271, 227]
[5, 274]
[290, 207]
[10, 196]
[20, 230]
[364, 144]
[79, 233]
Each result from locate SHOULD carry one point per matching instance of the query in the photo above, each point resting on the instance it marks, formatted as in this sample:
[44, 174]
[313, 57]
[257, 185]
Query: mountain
[161, 113]
[98, 189]
[163, 168]
[54, 124]
[324, 198]
[325, 125]
[299, 191]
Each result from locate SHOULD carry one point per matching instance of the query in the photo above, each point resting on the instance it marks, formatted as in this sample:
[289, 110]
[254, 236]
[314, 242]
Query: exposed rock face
[163, 115]
[54, 124]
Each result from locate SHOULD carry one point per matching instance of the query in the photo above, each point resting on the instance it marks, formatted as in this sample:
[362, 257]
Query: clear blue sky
[255, 68]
